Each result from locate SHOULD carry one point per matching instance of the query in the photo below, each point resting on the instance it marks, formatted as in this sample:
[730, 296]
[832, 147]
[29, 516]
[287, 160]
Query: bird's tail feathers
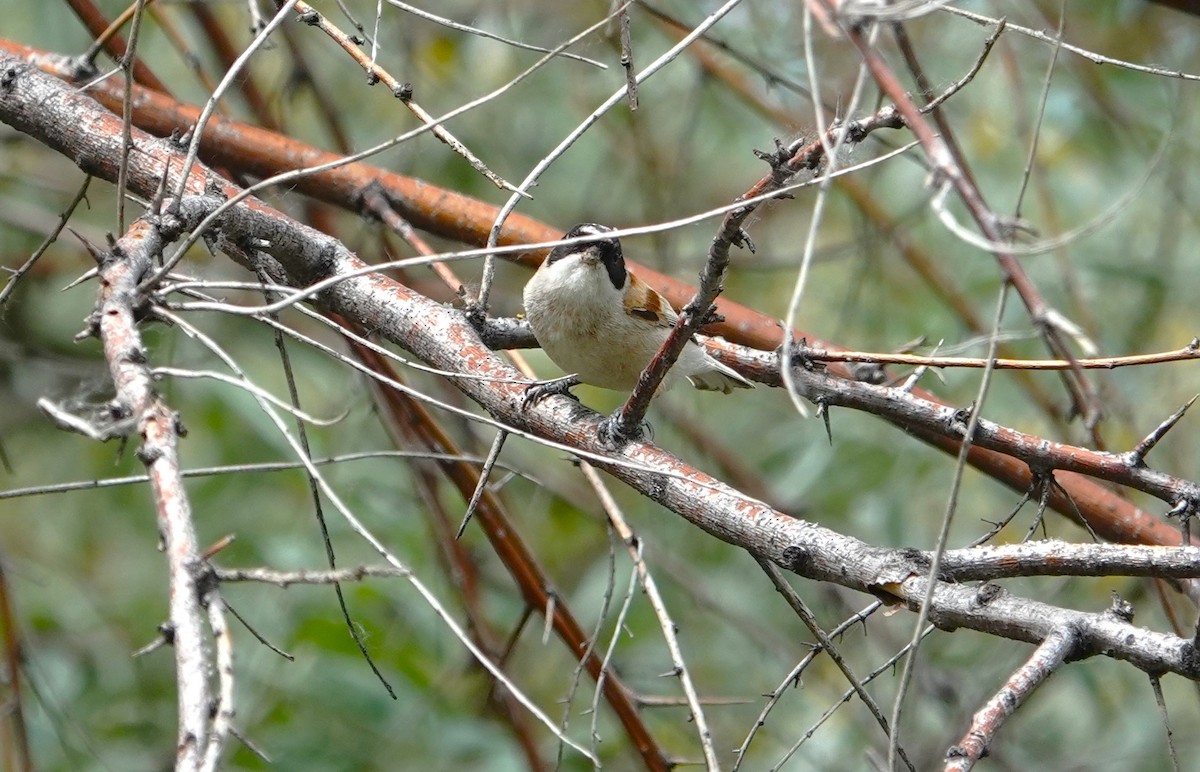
[720, 378]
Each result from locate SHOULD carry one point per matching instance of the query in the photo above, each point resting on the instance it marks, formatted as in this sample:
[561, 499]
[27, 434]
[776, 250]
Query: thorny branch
[444, 338]
[159, 427]
[785, 163]
[1057, 649]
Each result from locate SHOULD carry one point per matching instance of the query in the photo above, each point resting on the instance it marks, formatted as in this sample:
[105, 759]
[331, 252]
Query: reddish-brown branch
[452, 215]
[445, 339]
[535, 586]
[97, 25]
[16, 755]
[942, 157]
[785, 164]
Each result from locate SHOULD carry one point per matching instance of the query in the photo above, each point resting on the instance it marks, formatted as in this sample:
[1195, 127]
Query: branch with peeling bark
[263, 153]
[191, 590]
[445, 339]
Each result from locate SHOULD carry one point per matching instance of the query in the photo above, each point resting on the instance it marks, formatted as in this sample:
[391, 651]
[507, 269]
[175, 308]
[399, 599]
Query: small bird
[603, 324]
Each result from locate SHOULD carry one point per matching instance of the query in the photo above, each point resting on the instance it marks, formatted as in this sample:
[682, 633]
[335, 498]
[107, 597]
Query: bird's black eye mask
[614, 261]
[608, 250]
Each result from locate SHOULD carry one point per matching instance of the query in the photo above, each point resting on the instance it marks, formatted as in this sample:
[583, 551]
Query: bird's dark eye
[608, 250]
[614, 261]
[558, 253]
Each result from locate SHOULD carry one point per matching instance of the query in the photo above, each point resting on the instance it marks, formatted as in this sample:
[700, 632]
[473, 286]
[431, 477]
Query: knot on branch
[1121, 609]
[741, 239]
[712, 316]
[801, 357]
[8, 78]
[778, 161]
[986, 594]
[795, 559]
[868, 372]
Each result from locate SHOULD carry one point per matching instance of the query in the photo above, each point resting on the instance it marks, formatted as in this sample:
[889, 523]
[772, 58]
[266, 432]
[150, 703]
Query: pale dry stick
[623, 22]
[376, 203]
[127, 110]
[285, 579]
[1091, 56]
[817, 217]
[489, 264]
[634, 546]
[1137, 456]
[1156, 687]
[577, 674]
[375, 37]
[295, 295]
[223, 710]
[775, 696]
[249, 386]
[1050, 655]
[1189, 352]
[606, 660]
[991, 244]
[960, 466]
[825, 640]
[359, 528]
[182, 46]
[102, 40]
[318, 509]
[210, 106]
[484, 473]
[11, 286]
[288, 176]
[490, 35]
[906, 10]
[402, 91]
[268, 466]
[1031, 156]
[888, 664]
[257, 21]
[984, 50]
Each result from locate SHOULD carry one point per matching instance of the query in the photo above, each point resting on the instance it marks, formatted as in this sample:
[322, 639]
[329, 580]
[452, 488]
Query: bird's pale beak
[590, 257]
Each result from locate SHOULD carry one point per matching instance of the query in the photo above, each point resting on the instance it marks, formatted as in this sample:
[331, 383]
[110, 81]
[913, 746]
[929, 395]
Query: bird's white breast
[580, 321]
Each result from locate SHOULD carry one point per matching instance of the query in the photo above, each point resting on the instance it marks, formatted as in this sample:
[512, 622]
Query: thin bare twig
[1188, 353]
[402, 91]
[634, 546]
[825, 640]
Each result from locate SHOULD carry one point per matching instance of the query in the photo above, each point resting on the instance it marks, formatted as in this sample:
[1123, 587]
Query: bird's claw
[614, 435]
[539, 390]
